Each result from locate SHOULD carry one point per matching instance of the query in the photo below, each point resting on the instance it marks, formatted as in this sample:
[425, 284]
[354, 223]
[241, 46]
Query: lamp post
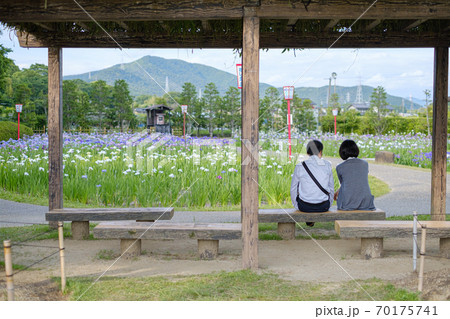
[18, 110]
[288, 92]
[335, 113]
[184, 110]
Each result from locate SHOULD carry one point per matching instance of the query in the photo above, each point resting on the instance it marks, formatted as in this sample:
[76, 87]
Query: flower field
[121, 169]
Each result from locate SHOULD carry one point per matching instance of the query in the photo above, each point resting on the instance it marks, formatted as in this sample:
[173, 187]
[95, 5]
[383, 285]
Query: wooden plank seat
[131, 234]
[286, 218]
[373, 232]
[80, 217]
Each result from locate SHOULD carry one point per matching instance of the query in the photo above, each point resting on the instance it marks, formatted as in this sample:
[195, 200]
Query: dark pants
[313, 208]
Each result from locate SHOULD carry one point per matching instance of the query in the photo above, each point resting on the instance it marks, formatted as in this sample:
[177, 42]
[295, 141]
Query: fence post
[61, 255]
[414, 241]
[422, 256]
[8, 270]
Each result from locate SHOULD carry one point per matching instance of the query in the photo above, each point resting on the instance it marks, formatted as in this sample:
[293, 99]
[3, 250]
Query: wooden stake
[250, 137]
[439, 138]
[61, 255]
[8, 270]
[55, 132]
[422, 256]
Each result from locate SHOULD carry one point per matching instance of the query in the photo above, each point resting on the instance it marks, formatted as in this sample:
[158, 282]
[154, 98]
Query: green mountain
[138, 75]
[177, 72]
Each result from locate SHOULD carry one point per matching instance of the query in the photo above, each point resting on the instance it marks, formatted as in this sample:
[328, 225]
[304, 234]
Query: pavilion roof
[218, 24]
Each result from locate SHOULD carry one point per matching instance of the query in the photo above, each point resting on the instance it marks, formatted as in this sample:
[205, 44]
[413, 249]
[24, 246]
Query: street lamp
[18, 110]
[335, 113]
[184, 110]
[288, 92]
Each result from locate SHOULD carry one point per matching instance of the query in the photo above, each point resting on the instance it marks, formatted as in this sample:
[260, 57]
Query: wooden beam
[250, 138]
[331, 24]
[286, 39]
[414, 24]
[55, 136]
[373, 24]
[439, 142]
[145, 10]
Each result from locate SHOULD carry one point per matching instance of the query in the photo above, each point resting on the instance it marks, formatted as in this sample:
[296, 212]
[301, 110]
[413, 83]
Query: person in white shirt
[308, 195]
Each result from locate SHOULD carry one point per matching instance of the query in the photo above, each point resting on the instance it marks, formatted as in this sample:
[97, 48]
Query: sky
[402, 72]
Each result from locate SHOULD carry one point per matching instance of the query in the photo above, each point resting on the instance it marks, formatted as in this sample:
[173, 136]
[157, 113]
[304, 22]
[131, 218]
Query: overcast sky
[402, 72]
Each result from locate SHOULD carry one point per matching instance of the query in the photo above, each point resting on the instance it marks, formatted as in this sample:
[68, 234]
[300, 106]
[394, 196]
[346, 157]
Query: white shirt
[303, 185]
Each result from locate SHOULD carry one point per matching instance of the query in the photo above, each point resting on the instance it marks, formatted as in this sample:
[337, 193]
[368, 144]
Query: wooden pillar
[55, 138]
[250, 138]
[439, 144]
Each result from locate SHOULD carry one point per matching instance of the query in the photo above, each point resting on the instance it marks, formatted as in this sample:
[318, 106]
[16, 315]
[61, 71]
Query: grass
[106, 254]
[14, 266]
[377, 186]
[35, 232]
[237, 285]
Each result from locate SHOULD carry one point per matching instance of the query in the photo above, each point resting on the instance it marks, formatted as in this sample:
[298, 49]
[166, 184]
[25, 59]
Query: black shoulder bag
[314, 179]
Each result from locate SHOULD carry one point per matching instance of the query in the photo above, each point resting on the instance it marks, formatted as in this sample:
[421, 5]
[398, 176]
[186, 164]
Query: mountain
[348, 95]
[178, 72]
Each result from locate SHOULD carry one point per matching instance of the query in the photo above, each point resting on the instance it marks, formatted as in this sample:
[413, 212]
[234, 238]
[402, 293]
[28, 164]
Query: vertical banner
[239, 75]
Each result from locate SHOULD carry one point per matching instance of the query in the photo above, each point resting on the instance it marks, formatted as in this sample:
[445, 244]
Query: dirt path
[298, 260]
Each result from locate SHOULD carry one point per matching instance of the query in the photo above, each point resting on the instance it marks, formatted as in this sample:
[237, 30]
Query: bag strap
[314, 179]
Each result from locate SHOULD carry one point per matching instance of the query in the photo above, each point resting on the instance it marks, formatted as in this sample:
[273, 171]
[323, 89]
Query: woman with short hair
[353, 174]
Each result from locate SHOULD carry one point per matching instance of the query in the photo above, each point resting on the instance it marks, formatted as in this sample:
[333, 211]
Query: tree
[188, 97]
[427, 97]
[377, 112]
[100, 99]
[212, 100]
[303, 115]
[269, 108]
[232, 104]
[122, 101]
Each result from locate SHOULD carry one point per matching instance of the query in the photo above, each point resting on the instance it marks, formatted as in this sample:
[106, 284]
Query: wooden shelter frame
[247, 24]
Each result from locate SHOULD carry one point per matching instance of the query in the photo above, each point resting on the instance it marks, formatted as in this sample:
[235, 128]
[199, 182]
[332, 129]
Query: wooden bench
[373, 232]
[286, 218]
[131, 234]
[80, 217]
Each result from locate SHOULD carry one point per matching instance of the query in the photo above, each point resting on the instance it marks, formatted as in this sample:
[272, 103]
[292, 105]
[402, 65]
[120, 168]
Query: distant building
[360, 107]
[364, 107]
[155, 118]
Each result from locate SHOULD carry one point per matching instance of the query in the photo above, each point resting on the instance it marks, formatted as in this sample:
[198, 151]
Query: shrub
[9, 130]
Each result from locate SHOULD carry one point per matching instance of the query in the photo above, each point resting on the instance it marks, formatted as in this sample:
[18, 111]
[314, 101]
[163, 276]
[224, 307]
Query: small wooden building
[155, 118]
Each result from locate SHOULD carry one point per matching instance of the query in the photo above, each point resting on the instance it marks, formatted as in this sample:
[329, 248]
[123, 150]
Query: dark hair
[348, 149]
[314, 147]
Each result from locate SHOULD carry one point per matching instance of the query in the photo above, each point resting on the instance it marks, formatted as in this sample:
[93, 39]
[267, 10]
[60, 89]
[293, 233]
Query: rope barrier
[37, 262]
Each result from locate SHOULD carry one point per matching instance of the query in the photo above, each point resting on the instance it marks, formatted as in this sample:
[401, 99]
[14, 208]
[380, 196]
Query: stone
[207, 248]
[371, 247]
[384, 157]
[130, 247]
[286, 230]
[80, 230]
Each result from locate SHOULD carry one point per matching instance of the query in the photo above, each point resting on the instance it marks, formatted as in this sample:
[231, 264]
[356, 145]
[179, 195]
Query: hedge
[9, 130]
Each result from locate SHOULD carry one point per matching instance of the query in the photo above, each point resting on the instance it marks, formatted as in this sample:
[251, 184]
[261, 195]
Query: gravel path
[410, 190]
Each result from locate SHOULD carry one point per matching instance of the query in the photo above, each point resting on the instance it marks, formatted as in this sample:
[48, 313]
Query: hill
[179, 72]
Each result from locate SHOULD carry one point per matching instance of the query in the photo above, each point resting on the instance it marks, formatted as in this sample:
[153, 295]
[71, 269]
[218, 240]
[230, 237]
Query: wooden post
[250, 138]
[61, 255]
[55, 139]
[439, 143]
[422, 256]
[8, 270]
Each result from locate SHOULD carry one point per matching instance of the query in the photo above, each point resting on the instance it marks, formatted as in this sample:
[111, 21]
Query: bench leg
[371, 247]
[208, 249]
[80, 230]
[444, 246]
[130, 247]
[286, 230]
